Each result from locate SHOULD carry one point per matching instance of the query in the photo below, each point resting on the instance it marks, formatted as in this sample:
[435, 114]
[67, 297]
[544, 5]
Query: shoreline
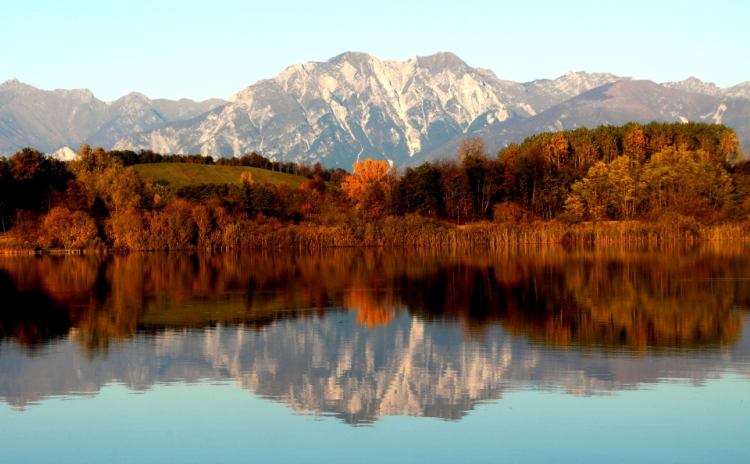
[420, 232]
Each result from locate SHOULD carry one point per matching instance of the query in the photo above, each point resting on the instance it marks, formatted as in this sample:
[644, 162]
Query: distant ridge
[52, 119]
[356, 105]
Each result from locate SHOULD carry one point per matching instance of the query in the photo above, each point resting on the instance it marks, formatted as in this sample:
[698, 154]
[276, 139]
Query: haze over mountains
[49, 120]
[356, 105]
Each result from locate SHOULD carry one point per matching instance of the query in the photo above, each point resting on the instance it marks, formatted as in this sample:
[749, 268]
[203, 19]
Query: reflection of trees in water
[647, 303]
[374, 307]
[630, 299]
[29, 315]
[612, 298]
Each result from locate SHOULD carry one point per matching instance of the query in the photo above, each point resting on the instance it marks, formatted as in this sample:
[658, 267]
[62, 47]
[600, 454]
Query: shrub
[72, 230]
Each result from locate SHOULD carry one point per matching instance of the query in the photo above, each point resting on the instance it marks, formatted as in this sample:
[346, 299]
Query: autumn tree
[210, 220]
[729, 146]
[172, 228]
[634, 143]
[369, 185]
[72, 230]
[126, 229]
[589, 197]
[556, 149]
[606, 192]
[622, 176]
[314, 195]
[106, 178]
[684, 181]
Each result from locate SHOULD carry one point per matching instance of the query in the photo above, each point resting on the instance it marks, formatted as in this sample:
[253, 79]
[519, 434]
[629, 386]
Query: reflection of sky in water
[220, 423]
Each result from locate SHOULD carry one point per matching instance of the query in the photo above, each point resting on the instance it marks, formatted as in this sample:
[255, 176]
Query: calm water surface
[374, 356]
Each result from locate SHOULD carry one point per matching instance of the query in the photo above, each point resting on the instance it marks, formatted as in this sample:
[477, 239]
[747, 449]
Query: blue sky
[175, 49]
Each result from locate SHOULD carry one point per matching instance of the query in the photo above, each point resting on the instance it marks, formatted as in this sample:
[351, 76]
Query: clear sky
[201, 49]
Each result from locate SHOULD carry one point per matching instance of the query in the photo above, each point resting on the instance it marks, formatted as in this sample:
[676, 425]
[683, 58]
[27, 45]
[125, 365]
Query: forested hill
[691, 175]
[538, 172]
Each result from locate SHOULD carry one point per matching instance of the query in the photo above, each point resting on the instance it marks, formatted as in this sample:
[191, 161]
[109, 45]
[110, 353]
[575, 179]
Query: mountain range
[50, 120]
[356, 105]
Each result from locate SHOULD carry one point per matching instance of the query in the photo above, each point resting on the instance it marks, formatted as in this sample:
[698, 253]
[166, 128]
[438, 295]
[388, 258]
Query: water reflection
[361, 333]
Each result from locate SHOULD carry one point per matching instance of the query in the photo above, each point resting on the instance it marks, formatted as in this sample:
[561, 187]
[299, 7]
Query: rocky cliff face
[356, 105]
[351, 106]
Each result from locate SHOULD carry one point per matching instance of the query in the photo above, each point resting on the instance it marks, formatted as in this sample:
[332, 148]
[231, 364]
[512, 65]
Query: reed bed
[424, 233]
[419, 232]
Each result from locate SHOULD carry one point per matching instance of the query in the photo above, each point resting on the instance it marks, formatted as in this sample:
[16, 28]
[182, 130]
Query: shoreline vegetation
[644, 185]
[419, 232]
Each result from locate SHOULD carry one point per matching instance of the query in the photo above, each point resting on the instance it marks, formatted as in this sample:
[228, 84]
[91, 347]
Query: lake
[362, 355]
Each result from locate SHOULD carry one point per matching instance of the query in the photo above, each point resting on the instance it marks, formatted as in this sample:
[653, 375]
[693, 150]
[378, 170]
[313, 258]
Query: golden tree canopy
[366, 174]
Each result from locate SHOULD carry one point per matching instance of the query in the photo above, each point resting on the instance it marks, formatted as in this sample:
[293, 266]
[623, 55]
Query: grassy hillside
[182, 174]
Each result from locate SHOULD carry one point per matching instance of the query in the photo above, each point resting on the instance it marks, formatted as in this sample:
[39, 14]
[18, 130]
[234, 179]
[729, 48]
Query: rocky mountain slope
[49, 120]
[618, 103]
[356, 105]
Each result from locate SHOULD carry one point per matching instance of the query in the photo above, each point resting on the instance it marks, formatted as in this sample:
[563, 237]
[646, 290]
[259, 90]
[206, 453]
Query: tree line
[607, 173]
[631, 172]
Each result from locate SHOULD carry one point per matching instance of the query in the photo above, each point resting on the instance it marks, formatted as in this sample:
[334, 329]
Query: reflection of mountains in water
[333, 365]
[415, 333]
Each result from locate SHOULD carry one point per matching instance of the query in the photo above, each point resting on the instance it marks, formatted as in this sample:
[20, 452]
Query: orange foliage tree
[369, 186]
[127, 230]
[73, 230]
